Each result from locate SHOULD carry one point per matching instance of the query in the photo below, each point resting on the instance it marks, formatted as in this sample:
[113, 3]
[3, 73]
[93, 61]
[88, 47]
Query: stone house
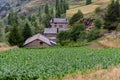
[38, 41]
[51, 33]
[59, 23]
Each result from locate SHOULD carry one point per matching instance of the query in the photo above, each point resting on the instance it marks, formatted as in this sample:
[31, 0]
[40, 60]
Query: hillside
[24, 6]
[21, 6]
[28, 6]
[87, 9]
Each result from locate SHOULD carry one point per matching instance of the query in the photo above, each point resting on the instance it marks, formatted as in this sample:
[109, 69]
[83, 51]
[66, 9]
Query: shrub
[88, 2]
[118, 27]
[63, 37]
[76, 31]
[98, 23]
[93, 34]
[76, 17]
[98, 10]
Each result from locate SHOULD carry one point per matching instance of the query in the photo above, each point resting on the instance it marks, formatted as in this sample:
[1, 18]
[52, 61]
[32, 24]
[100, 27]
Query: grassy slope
[86, 9]
[54, 62]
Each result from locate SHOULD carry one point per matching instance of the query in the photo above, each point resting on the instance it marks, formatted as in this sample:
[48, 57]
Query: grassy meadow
[56, 62]
[86, 9]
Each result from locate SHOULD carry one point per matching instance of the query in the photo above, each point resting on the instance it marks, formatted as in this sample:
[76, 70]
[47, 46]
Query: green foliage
[93, 34]
[63, 37]
[98, 23]
[2, 31]
[27, 33]
[71, 36]
[76, 17]
[46, 9]
[76, 31]
[46, 20]
[61, 7]
[98, 10]
[31, 64]
[15, 37]
[12, 19]
[118, 27]
[88, 2]
[112, 16]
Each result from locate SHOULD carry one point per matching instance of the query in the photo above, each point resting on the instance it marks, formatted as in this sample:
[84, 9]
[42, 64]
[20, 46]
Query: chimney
[57, 30]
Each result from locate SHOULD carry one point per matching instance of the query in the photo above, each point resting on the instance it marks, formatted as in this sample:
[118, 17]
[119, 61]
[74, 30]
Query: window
[60, 26]
[55, 25]
[41, 43]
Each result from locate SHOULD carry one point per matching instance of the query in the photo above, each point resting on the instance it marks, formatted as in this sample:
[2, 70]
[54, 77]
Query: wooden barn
[38, 41]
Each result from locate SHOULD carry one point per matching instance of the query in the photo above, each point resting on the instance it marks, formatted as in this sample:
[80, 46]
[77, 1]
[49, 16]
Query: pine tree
[112, 16]
[77, 29]
[15, 37]
[46, 20]
[61, 7]
[77, 16]
[88, 2]
[12, 19]
[57, 7]
[27, 31]
[46, 9]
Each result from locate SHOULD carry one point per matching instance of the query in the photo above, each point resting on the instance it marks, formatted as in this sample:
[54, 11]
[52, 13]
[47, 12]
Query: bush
[88, 2]
[93, 34]
[98, 10]
[76, 31]
[76, 17]
[98, 23]
[118, 27]
[63, 37]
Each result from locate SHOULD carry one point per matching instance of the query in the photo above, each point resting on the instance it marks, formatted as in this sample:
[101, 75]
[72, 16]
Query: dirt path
[109, 74]
[95, 46]
[4, 47]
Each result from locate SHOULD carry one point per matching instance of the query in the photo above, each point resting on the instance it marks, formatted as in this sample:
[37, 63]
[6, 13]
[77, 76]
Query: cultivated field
[55, 63]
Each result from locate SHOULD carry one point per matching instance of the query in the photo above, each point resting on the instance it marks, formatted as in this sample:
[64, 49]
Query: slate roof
[63, 29]
[39, 37]
[50, 31]
[54, 30]
[59, 20]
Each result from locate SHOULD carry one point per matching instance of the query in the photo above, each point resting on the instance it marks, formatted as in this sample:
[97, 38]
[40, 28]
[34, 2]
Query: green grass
[87, 9]
[30, 64]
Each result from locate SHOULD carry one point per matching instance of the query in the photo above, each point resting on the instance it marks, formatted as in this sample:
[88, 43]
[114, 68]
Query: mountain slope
[24, 6]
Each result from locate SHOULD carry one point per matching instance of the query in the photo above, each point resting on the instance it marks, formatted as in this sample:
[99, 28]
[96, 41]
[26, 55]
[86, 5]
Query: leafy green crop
[30, 64]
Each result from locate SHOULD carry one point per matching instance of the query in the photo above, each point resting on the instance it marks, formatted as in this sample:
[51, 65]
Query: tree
[98, 23]
[2, 31]
[98, 10]
[76, 30]
[27, 31]
[112, 16]
[88, 2]
[12, 19]
[63, 36]
[15, 37]
[118, 27]
[77, 16]
[61, 7]
[46, 9]
[46, 20]
[93, 34]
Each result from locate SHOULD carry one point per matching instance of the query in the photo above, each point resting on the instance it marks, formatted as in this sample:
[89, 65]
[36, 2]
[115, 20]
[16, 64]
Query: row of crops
[31, 64]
